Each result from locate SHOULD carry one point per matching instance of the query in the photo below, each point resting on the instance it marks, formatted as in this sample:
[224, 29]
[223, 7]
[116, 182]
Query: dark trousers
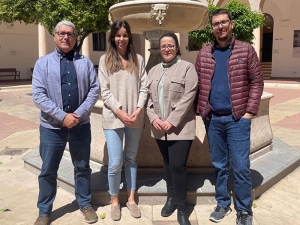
[175, 155]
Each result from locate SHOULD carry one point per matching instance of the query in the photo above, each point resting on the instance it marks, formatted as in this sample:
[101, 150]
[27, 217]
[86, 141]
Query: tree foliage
[245, 21]
[87, 15]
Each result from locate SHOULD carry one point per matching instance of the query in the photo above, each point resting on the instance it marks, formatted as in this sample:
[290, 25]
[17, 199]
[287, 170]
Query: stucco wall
[19, 47]
[286, 20]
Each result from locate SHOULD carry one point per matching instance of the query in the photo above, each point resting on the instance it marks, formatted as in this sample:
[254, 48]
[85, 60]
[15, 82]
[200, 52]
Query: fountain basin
[144, 15]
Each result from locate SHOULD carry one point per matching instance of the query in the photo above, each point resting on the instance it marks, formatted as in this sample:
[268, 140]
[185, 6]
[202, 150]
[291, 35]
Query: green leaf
[4, 210]
[102, 216]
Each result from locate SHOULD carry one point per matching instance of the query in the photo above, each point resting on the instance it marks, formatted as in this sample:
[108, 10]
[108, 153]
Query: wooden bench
[9, 72]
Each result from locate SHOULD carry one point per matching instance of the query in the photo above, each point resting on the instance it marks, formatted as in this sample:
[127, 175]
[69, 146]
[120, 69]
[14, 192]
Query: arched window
[268, 23]
[267, 42]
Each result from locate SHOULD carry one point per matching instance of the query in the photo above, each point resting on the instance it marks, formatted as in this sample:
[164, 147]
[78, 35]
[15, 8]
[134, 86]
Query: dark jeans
[175, 155]
[229, 142]
[52, 145]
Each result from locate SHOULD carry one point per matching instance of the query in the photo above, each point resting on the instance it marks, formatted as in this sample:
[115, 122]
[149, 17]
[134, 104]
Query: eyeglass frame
[69, 34]
[167, 46]
[223, 23]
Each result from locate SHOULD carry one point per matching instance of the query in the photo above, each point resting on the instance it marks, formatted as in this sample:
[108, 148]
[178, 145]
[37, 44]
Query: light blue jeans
[114, 139]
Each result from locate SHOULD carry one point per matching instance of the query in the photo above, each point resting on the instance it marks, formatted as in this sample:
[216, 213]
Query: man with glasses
[65, 88]
[230, 88]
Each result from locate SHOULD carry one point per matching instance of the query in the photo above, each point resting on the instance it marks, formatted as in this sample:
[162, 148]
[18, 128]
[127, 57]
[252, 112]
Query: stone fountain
[152, 18]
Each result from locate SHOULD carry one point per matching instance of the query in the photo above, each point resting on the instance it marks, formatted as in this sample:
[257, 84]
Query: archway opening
[267, 43]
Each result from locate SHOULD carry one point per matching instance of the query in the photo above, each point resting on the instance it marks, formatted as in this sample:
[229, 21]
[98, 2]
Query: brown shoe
[90, 216]
[134, 210]
[115, 212]
[42, 220]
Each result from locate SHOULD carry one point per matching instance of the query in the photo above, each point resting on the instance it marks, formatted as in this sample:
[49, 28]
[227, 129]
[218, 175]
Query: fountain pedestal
[155, 56]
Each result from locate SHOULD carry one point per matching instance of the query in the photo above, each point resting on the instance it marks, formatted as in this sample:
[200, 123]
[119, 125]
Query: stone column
[86, 47]
[256, 41]
[255, 6]
[42, 40]
[153, 37]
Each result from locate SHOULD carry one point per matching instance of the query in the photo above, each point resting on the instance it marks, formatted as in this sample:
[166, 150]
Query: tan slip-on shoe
[134, 210]
[115, 212]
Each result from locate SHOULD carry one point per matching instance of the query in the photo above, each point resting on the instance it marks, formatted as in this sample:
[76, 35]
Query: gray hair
[67, 23]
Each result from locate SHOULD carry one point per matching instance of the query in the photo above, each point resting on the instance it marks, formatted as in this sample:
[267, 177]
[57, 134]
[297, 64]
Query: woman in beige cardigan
[173, 86]
[123, 82]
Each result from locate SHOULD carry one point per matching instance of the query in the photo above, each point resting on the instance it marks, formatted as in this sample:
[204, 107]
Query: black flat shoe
[169, 207]
[182, 218]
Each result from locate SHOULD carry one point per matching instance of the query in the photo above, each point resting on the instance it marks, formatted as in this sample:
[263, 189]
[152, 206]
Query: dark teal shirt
[69, 83]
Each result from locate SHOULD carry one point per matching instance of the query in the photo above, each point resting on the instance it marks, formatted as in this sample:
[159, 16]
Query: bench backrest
[12, 70]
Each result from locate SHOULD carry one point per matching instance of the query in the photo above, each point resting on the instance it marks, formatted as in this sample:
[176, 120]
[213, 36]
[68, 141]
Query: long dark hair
[112, 61]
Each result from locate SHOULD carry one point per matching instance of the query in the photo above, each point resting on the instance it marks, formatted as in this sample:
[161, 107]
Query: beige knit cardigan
[123, 90]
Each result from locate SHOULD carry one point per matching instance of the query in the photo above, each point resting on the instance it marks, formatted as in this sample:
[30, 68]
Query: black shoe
[182, 218]
[169, 207]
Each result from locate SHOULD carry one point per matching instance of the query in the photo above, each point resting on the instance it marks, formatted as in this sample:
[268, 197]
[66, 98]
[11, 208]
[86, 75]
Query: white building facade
[277, 43]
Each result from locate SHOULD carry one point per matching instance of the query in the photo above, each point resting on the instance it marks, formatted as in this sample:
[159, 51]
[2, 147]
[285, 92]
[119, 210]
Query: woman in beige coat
[173, 86]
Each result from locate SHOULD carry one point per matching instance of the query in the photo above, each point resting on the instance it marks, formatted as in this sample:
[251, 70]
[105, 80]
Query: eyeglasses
[217, 24]
[62, 34]
[167, 46]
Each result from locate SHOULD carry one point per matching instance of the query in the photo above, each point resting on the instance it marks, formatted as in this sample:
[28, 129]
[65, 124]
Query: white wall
[18, 48]
[189, 56]
[283, 63]
[95, 55]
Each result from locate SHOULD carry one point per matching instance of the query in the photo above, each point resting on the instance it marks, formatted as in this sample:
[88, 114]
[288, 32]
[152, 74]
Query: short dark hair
[172, 35]
[219, 12]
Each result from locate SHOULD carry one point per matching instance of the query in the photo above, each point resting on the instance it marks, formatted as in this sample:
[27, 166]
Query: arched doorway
[267, 43]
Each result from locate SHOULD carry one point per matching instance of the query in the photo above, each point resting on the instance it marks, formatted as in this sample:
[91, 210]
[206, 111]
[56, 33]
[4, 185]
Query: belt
[222, 112]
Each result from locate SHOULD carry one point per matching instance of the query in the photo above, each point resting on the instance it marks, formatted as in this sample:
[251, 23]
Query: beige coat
[180, 87]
